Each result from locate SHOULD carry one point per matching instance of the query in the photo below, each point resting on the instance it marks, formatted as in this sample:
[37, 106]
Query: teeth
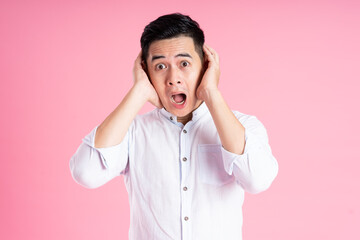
[172, 100]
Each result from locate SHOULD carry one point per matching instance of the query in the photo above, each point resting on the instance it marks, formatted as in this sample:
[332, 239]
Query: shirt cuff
[229, 158]
[109, 155]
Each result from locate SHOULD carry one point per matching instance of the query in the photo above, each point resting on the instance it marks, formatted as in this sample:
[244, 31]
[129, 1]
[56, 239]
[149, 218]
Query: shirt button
[186, 218]
[171, 118]
[184, 159]
[185, 188]
[184, 131]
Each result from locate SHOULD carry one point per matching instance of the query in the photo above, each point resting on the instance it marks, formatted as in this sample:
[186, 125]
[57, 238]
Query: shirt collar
[196, 114]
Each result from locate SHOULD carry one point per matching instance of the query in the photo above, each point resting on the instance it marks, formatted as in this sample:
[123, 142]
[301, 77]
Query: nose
[173, 77]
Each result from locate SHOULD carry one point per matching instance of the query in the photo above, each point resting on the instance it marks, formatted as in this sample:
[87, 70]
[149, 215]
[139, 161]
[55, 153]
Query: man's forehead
[172, 47]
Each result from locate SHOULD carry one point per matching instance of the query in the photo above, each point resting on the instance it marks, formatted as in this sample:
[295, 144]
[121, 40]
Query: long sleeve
[256, 168]
[92, 167]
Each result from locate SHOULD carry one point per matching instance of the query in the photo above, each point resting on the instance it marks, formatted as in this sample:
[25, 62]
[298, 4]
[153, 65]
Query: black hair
[171, 26]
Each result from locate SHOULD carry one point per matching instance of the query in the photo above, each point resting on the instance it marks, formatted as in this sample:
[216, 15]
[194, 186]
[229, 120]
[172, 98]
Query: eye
[160, 66]
[185, 63]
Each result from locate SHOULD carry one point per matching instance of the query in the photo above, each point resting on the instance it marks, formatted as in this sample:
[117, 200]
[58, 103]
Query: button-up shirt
[181, 182]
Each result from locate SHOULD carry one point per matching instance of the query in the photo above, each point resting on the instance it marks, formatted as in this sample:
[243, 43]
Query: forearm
[113, 129]
[256, 168]
[230, 130]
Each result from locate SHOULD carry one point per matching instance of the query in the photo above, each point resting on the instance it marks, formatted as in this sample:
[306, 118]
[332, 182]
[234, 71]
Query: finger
[138, 59]
[213, 53]
[210, 57]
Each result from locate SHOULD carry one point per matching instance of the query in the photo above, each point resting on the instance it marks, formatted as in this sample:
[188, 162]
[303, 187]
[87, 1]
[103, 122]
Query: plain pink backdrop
[65, 65]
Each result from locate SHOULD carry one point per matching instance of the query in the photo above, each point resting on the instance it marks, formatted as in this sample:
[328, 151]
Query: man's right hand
[142, 81]
[114, 128]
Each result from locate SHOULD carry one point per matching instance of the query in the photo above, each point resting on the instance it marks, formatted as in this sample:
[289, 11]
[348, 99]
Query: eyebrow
[178, 55]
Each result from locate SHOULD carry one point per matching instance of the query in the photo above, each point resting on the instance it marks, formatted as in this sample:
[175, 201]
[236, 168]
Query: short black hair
[171, 26]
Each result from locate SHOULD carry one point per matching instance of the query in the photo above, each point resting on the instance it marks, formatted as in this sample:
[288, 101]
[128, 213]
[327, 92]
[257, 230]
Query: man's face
[175, 70]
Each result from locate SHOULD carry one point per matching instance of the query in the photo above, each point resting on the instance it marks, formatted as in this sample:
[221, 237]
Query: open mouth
[178, 98]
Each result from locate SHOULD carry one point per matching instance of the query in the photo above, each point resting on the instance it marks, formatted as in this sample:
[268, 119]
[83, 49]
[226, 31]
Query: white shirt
[182, 184]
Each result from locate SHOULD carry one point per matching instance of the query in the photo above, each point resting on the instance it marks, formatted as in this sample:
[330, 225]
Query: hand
[211, 75]
[142, 81]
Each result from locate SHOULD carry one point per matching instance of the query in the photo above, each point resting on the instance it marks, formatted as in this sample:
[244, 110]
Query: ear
[143, 65]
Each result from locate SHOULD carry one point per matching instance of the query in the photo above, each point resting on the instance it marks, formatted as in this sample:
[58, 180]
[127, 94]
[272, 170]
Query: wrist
[141, 91]
[209, 94]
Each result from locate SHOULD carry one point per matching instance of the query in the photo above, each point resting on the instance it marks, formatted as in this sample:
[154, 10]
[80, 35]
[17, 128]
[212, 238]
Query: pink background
[65, 65]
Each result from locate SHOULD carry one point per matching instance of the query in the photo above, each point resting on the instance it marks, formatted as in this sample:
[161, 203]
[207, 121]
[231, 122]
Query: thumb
[156, 102]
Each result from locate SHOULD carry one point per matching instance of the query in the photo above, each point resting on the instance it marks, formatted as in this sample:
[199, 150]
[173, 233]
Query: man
[187, 163]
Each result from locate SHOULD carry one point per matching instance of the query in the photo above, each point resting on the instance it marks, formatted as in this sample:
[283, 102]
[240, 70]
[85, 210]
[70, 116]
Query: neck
[185, 118]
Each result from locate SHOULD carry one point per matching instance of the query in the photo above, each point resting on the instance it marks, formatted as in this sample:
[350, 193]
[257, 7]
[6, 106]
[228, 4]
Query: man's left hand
[211, 75]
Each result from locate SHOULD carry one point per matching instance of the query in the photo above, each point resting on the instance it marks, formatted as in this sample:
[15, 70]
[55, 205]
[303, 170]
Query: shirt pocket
[211, 166]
